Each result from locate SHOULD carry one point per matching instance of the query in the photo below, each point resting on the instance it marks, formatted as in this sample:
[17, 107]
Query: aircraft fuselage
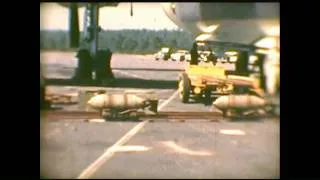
[243, 23]
[254, 24]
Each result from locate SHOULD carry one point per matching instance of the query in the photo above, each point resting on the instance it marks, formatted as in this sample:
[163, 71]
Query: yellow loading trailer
[207, 80]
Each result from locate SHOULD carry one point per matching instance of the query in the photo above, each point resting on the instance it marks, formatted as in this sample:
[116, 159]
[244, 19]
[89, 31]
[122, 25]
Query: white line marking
[131, 148]
[97, 120]
[168, 100]
[232, 132]
[130, 74]
[183, 150]
[92, 168]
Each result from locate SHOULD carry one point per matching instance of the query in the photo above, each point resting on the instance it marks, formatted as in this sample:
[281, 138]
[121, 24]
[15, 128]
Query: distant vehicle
[253, 66]
[224, 60]
[163, 54]
[180, 55]
[232, 59]
[188, 57]
[231, 56]
[203, 55]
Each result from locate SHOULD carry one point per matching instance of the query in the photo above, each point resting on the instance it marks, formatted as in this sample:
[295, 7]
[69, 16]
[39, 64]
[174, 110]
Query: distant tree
[120, 39]
[157, 42]
[125, 41]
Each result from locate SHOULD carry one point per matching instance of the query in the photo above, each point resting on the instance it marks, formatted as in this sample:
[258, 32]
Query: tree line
[124, 41]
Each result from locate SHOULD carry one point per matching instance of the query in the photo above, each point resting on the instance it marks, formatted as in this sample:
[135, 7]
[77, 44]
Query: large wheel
[184, 88]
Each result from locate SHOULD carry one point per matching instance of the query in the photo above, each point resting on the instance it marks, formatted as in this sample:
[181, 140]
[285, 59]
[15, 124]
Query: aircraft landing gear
[86, 67]
[90, 59]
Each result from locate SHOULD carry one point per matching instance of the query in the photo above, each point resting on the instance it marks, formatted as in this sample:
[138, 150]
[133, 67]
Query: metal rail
[57, 115]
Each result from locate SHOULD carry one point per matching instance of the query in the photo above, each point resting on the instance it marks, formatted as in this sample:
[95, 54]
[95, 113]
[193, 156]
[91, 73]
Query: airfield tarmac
[156, 149]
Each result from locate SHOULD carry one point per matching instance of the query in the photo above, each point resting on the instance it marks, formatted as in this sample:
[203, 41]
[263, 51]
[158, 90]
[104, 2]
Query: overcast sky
[145, 15]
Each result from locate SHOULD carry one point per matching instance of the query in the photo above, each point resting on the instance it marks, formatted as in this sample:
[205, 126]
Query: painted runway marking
[92, 168]
[168, 100]
[96, 120]
[183, 150]
[130, 74]
[131, 148]
[236, 132]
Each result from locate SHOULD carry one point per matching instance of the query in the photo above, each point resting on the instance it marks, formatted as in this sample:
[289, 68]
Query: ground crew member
[103, 67]
[211, 57]
[194, 54]
[84, 69]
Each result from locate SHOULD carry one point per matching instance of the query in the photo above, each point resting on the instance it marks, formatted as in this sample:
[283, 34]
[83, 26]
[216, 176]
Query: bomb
[240, 80]
[122, 102]
[241, 104]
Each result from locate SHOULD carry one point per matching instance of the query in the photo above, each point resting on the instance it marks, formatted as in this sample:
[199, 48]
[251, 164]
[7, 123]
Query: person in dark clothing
[212, 58]
[84, 68]
[168, 54]
[103, 68]
[194, 54]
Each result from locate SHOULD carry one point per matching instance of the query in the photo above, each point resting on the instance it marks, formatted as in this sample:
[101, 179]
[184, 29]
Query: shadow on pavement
[119, 83]
[146, 69]
[253, 118]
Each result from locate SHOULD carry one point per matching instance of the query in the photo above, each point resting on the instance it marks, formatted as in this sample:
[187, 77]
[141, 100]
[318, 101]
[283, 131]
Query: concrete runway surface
[77, 149]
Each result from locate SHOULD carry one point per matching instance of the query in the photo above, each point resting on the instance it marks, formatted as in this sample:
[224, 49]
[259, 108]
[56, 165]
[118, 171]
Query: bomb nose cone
[214, 103]
[96, 101]
[218, 103]
[91, 102]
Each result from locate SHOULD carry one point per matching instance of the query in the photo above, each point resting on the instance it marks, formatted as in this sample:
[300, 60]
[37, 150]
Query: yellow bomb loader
[205, 81]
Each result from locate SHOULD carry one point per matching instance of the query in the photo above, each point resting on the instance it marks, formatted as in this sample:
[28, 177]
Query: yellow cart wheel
[184, 88]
